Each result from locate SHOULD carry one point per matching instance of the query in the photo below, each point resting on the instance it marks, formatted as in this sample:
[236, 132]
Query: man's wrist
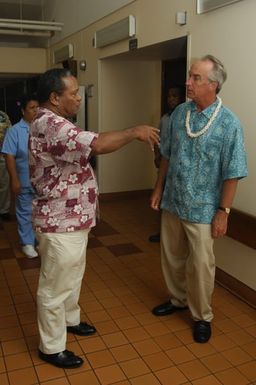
[224, 209]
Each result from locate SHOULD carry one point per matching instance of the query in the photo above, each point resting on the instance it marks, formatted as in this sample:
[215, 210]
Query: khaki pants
[188, 264]
[63, 259]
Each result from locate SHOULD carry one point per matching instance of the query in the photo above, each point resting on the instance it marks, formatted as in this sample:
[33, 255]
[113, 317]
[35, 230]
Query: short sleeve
[10, 142]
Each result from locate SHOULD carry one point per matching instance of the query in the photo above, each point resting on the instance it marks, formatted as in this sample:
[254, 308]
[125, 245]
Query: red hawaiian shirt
[64, 182]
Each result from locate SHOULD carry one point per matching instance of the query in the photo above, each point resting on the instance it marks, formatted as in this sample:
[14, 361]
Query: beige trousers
[188, 264]
[63, 259]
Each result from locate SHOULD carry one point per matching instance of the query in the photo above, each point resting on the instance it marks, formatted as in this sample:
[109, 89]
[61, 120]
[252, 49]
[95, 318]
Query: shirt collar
[207, 112]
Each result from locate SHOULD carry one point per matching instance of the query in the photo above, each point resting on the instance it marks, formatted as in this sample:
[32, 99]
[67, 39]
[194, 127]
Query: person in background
[5, 196]
[174, 98]
[203, 157]
[64, 208]
[15, 148]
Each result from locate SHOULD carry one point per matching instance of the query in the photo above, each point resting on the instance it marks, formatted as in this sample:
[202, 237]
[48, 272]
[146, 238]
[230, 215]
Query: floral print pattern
[65, 184]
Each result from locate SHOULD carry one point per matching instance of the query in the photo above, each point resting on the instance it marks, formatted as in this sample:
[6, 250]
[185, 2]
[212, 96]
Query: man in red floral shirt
[65, 207]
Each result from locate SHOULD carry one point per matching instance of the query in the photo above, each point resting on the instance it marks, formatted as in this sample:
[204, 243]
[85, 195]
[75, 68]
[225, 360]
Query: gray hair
[218, 73]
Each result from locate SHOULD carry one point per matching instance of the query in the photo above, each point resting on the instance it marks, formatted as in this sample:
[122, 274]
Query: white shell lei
[211, 120]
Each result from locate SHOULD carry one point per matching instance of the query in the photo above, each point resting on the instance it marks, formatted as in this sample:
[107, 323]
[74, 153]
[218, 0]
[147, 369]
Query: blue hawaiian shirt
[198, 166]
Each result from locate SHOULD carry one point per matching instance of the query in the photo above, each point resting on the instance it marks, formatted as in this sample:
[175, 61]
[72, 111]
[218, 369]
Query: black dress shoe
[82, 329]
[65, 359]
[154, 238]
[202, 331]
[167, 308]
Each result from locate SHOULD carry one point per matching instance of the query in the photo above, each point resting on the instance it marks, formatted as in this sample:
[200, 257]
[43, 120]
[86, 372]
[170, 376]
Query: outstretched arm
[112, 141]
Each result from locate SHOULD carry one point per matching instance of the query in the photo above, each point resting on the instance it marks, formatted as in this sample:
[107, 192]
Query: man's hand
[155, 199]
[219, 224]
[15, 186]
[148, 134]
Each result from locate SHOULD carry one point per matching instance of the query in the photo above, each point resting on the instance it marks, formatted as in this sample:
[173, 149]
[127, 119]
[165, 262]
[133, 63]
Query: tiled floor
[122, 283]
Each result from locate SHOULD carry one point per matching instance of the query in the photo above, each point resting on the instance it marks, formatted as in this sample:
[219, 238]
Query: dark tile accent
[94, 242]
[29, 263]
[6, 254]
[103, 228]
[124, 249]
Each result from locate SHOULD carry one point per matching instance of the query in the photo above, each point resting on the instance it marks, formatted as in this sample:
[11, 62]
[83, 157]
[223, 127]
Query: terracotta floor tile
[216, 362]
[250, 348]
[10, 333]
[226, 325]
[119, 312]
[222, 342]
[106, 327]
[240, 337]
[158, 361]
[23, 377]
[4, 379]
[127, 322]
[100, 358]
[176, 376]
[18, 361]
[208, 380]
[92, 344]
[137, 308]
[146, 318]
[201, 350]
[157, 329]
[58, 381]
[136, 334]
[244, 320]
[236, 356]
[2, 365]
[83, 378]
[115, 339]
[193, 369]
[147, 379]
[146, 347]
[134, 368]
[96, 316]
[180, 355]
[109, 303]
[47, 372]
[232, 377]
[124, 353]
[168, 341]
[185, 336]
[110, 374]
[249, 370]
[91, 306]
[14, 346]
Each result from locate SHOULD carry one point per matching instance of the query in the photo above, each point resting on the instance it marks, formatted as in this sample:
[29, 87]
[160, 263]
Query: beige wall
[23, 60]
[129, 95]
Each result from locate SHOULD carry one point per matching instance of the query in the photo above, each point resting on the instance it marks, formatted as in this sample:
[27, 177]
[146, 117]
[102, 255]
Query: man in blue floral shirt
[203, 157]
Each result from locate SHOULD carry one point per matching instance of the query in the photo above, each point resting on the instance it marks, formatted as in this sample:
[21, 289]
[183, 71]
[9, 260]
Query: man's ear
[54, 98]
[214, 85]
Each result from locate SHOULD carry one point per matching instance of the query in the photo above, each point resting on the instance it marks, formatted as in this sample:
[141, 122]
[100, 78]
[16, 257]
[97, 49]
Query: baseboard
[236, 287]
[242, 228]
[109, 197]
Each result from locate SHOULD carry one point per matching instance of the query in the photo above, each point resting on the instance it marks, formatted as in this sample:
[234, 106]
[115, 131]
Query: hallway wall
[130, 95]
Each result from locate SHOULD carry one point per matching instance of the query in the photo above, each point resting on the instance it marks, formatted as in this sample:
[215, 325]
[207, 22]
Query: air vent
[62, 54]
[123, 29]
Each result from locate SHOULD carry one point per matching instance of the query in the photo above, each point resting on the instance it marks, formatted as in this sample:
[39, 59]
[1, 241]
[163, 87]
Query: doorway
[132, 90]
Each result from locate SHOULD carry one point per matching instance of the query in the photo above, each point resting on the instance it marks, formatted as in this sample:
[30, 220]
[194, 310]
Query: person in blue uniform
[15, 148]
[5, 196]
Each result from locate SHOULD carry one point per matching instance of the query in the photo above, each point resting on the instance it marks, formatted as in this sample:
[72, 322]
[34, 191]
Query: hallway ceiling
[22, 10]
